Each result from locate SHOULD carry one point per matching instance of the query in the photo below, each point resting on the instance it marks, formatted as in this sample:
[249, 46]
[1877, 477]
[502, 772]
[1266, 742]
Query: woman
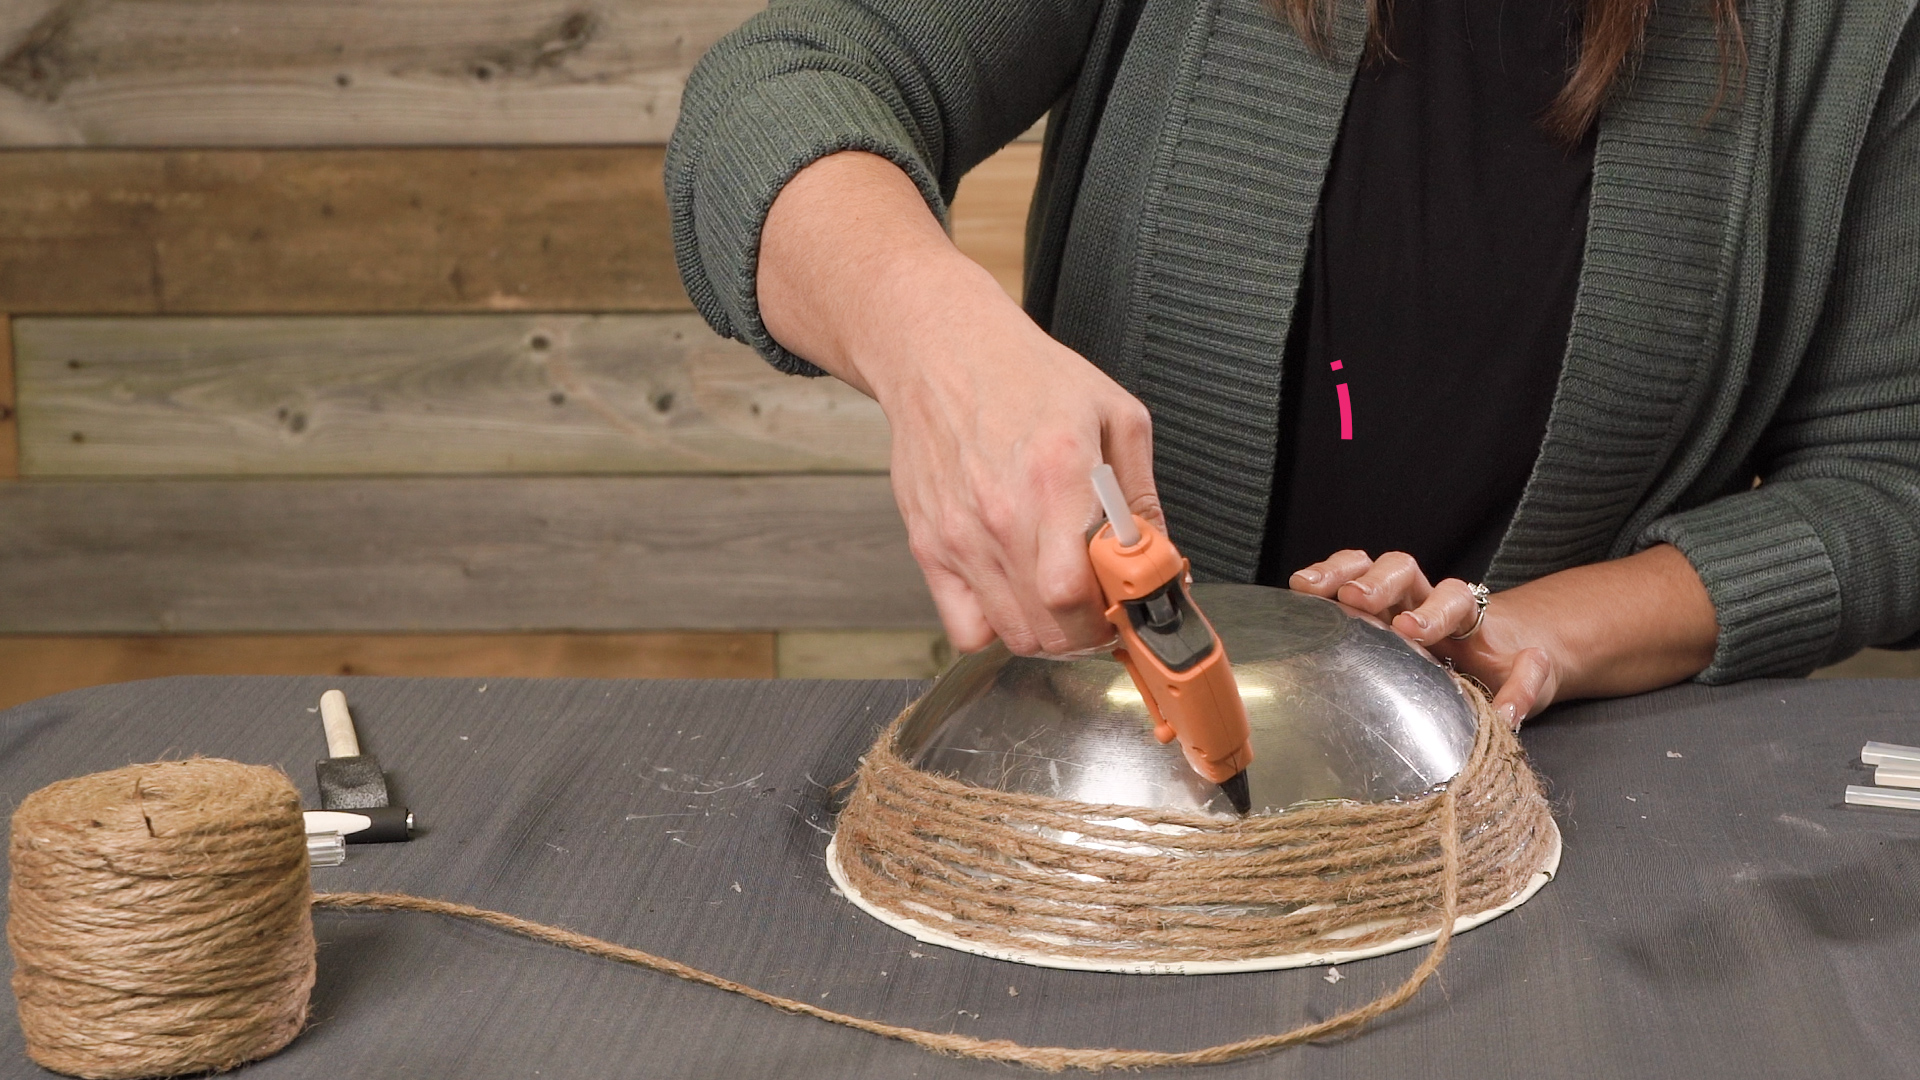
[1615, 308]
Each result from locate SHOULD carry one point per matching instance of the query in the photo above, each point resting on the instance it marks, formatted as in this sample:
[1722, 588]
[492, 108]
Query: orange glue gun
[1169, 648]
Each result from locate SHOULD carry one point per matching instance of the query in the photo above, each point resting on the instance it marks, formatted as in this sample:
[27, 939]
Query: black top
[1439, 287]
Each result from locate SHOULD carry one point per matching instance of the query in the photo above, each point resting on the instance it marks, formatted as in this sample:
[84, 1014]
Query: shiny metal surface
[1341, 708]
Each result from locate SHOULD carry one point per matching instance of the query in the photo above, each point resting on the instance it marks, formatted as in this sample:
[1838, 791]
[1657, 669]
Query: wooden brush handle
[341, 741]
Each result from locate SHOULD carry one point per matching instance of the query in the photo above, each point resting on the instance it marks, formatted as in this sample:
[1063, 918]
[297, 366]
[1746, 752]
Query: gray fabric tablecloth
[1719, 912]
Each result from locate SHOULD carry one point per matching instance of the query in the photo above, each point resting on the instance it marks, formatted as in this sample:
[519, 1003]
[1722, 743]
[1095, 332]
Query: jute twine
[1017, 871]
[159, 918]
[160, 913]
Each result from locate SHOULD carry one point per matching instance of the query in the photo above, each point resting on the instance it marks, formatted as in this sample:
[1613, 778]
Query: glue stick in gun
[1176, 660]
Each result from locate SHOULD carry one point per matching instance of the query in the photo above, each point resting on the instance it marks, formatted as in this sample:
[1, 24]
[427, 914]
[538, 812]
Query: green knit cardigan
[1748, 304]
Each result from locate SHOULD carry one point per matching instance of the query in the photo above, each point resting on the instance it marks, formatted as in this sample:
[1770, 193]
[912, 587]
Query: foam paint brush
[1169, 648]
[354, 800]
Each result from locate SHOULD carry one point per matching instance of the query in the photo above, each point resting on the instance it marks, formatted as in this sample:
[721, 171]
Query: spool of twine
[160, 919]
[160, 914]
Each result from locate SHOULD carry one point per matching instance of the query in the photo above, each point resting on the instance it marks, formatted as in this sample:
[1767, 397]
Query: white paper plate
[933, 935]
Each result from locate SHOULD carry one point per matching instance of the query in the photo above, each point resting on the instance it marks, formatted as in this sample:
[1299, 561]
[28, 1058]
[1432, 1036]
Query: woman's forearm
[1619, 627]
[1603, 630]
[854, 267]
[996, 426]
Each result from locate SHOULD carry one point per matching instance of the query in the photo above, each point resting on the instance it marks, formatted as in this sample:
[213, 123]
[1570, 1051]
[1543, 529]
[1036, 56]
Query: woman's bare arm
[996, 426]
[1603, 630]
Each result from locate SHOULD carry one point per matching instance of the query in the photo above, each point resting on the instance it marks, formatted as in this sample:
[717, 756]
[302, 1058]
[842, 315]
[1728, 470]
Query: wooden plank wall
[40, 665]
[224, 232]
[9, 433]
[350, 72]
[254, 73]
[346, 336]
[442, 394]
[466, 553]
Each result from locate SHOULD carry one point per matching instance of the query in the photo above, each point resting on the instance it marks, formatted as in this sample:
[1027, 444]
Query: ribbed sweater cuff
[772, 131]
[1773, 585]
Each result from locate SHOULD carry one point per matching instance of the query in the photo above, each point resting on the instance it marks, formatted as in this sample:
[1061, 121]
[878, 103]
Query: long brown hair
[1612, 31]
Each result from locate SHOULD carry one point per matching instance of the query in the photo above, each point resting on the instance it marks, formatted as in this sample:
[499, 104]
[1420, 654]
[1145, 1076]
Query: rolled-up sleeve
[933, 87]
[1823, 557]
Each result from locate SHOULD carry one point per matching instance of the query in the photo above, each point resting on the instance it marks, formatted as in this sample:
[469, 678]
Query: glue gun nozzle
[1238, 793]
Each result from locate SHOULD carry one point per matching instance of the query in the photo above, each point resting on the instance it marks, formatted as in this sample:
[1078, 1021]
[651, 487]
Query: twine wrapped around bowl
[1023, 810]
[1110, 887]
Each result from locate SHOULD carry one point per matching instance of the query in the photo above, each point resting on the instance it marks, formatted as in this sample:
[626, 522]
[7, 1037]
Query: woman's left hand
[1602, 630]
[1516, 660]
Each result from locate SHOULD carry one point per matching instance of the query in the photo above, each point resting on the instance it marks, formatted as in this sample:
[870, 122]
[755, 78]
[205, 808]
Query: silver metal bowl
[1341, 708]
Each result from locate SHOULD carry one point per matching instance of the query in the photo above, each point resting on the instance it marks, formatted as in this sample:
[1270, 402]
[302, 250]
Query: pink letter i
[1346, 406]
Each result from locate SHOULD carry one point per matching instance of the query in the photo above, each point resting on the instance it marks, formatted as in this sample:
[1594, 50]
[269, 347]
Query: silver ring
[1480, 594]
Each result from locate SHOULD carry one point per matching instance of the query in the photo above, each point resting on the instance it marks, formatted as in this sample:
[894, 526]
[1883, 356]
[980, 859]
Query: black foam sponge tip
[351, 783]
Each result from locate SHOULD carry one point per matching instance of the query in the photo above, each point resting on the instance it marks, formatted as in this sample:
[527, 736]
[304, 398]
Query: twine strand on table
[1048, 1058]
[160, 915]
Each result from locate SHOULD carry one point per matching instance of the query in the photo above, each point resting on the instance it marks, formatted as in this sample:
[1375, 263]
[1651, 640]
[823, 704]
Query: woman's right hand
[996, 432]
[996, 427]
